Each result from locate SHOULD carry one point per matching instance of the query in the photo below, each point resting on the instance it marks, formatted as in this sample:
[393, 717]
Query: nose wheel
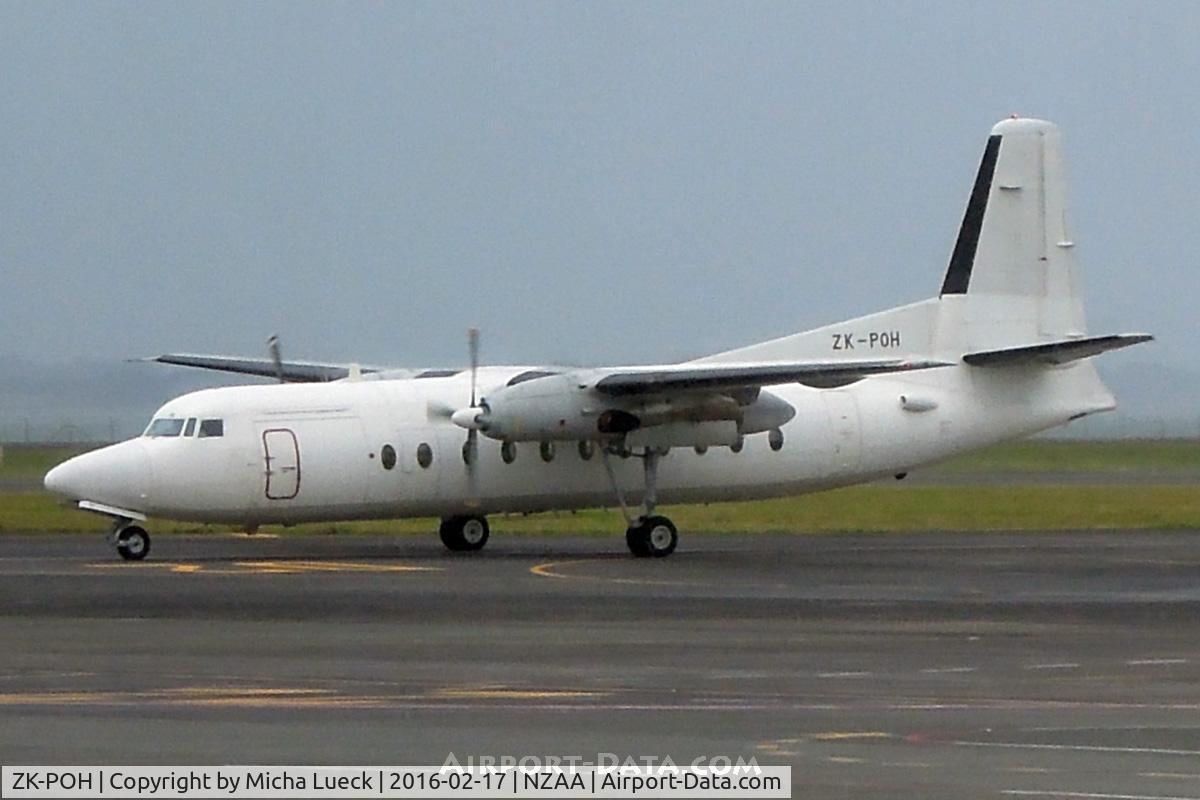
[133, 543]
[464, 534]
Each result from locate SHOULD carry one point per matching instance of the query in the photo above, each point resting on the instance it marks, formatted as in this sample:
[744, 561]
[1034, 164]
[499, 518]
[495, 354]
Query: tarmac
[936, 665]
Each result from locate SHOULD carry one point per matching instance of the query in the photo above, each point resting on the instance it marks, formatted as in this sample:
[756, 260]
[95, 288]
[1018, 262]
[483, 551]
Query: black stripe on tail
[958, 274]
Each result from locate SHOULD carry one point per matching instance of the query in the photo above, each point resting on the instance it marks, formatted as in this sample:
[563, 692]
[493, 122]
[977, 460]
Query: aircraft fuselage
[369, 449]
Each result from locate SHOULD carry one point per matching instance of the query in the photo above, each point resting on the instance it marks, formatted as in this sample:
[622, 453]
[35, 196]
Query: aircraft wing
[1060, 352]
[289, 371]
[686, 377]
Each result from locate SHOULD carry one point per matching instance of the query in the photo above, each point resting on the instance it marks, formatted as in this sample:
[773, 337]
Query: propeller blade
[473, 349]
[438, 410]
[276, 358]
[472, 468]
[472, 429]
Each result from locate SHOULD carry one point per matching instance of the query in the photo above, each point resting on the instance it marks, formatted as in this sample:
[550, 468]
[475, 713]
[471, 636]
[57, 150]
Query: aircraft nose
[118, 475]
[58, 480]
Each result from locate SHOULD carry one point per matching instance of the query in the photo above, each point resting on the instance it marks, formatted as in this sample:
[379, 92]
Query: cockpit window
[165, 426]
[190, 428]
[211, 427]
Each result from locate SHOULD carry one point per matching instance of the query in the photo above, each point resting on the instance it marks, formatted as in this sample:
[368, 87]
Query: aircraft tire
[634, 538]
[652, 537]
[133, 543]
[464, 534]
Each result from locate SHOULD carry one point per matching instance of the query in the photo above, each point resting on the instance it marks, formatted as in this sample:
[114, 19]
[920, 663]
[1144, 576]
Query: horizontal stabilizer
[692, 377]
[1060, 352]
[290, 371]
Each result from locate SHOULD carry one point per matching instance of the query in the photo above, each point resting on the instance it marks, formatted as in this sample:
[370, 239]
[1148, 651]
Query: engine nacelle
[549, 407]
[562, 407]
[767, 412]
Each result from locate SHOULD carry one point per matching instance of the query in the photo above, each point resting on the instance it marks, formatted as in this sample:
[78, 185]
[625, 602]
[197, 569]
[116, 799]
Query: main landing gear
[132, 541]
[652, 536]
[648, 534]
[464, 533]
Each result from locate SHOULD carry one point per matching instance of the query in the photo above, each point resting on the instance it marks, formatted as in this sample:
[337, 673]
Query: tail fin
[1011, 291]
[1014, 260]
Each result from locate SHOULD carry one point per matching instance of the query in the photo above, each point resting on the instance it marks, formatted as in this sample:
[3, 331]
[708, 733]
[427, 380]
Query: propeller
[468, 418]
[463, 417]
[473, 349]
[472, 446]
[276, 358]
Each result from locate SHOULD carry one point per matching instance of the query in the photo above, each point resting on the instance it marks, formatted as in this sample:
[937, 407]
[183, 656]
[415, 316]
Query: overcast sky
[588, 183]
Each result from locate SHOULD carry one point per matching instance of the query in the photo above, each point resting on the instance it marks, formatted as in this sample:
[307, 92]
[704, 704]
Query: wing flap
[822, 375]
[1060, 352]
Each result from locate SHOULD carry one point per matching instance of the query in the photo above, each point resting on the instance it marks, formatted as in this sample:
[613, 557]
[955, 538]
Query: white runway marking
[1062, 665]
[1082, 748]
[947, 670]
[1155, 662]
[843, 674]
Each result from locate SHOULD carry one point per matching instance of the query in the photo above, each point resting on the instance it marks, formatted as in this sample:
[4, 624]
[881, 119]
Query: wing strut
[649, 458]
[616, 487]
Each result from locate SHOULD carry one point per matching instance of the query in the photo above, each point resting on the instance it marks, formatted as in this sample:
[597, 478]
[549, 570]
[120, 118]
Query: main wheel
[653, 536]
[464, 533]
[635, 539]
[133, 543]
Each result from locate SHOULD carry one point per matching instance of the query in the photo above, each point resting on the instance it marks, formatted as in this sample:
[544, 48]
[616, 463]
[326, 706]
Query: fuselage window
[469, 453]
[190, 428]
[775, 438]
[165, 427]
[424, 455]
[587, 448]
[211, 428]
[547, 450]
[387, 456]
[508, 451]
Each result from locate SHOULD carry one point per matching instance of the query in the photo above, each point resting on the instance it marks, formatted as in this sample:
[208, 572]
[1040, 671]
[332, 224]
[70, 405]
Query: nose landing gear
[464, 533]
[132, 541]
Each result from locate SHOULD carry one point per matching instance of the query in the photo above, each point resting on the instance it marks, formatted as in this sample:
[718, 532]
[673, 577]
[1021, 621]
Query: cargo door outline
[281, 453]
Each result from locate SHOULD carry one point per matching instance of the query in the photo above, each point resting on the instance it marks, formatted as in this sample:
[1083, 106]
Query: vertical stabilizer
[1014, 262]
[1010, 295]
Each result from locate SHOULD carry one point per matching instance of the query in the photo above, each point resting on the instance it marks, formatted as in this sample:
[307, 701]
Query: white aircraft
[1000, 353]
